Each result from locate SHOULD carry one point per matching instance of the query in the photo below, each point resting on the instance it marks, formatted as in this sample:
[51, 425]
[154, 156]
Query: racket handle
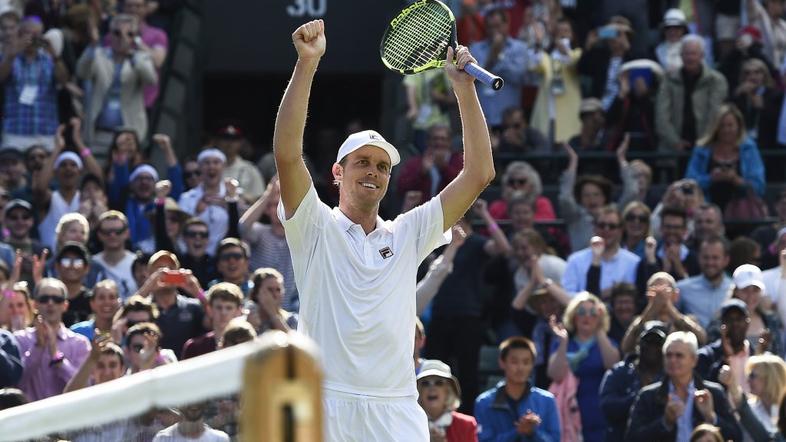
[484, 76]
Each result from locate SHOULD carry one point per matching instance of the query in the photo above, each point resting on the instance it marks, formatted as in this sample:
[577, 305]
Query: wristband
[160, 201]
[85, 152]
[201, 295]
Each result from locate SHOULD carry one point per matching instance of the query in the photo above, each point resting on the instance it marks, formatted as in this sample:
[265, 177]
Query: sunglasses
[228, 256]
[128, 34]
[46, 299]
[644, 219]
[581, 311]
[432, 382]
[202, 235]
[76, 263]
[517, 181]
[109, 232]
[607, 226]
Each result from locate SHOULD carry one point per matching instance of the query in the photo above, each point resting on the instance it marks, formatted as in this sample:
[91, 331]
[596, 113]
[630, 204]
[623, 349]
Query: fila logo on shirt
[386, 253]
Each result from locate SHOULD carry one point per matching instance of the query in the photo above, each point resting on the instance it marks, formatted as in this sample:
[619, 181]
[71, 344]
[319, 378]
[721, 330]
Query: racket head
[417, 39]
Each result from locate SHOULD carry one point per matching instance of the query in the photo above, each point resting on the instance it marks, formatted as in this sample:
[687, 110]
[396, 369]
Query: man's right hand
[309, 40]
[674, 409]
[527, 424]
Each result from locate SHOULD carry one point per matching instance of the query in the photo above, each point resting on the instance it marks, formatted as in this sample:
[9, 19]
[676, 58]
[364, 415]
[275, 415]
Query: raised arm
[309, 41]
[478, 169]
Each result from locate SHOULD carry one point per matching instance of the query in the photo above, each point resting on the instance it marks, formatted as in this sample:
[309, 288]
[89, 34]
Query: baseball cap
[733, 303]
[230, 131]
[73, 247]
[747, 275]
[655, 329]
[15, 204]
[367, 138]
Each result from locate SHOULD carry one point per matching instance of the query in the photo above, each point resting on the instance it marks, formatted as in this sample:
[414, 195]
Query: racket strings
[419, 38]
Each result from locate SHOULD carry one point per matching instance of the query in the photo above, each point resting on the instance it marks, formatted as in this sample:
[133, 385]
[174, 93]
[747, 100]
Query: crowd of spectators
[627, 264]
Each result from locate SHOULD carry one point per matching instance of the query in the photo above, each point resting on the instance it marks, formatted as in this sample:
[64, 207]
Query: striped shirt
[271, 250]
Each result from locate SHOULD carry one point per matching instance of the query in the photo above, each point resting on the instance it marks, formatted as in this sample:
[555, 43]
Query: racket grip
[484, 76]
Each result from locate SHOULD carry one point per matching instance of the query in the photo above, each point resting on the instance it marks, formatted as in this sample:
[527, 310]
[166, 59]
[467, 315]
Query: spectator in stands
[168, 221]
[66, 168]
[662, 295]
[237, 332]
[438, 394]
[268, 244]
[592, 135]
[559, 89]
[707, 221]
[115, 258]
[603, 263]
[12, 169]
[517, 136]
[520, 177]
[207, 201]
[732, 348]
[31, 72]
[727, 164]
[195, 235]
[668, 51]
[72, 263]
[622, 309]
[10, 360]
[192, 426]
[429, 103]
[16, 296]
[632, 111]
[104, 303]
[537, 268]
[231, 140]
[232, 264]
[643, 174]
[267, 296]
[765, 377]
[768, 235]
[636, 227]
[18, 219]
[585, 351]
[767, 16]
[621, 383]
[51, 353]
[137, 309]
[118, 74]
[143, 348]
[153, 41]
[505, 56]
[764, 329]
[672, 255]
[75, 227]
[104, 363]
[702, 295]
[580, 200]
[180, 318]
[515, 409]
[601, 63]
[93, 199]
[191, 174]
[225, 301]
[759, 102]
[431, 171]
[679, 122]
[125, 147]
[685, 194]
[671, 408]
[743, 250]
[9, 28]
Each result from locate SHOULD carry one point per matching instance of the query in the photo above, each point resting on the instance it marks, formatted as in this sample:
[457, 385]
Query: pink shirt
[154, 38]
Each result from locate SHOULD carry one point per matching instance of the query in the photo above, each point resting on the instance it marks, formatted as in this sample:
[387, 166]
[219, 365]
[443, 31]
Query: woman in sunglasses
[521, 178]
[635, 227]
[16, 308]
[585, 351]
[439, 394]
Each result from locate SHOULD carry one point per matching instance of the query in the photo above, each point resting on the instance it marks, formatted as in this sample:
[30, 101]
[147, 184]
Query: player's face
[364, 177]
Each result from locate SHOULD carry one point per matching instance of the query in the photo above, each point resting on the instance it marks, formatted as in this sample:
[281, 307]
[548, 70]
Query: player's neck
[367, 218]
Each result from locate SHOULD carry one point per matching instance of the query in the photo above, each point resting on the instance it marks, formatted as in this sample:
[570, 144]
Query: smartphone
[173, 277]
[607, 32]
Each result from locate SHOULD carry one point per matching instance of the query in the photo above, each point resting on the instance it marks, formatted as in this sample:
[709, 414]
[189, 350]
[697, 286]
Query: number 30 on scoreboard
[311, 8]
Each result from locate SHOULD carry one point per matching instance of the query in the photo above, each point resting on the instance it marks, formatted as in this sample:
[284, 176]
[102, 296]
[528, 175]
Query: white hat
[367, 138]
[674, 17]
[435, 367]
[144, 169]
[68, 155]
[211, 152]
[747, 275]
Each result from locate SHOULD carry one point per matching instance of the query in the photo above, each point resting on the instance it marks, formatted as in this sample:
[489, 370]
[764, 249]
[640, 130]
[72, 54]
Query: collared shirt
[31, 97]
[685, 422]
[700, 298]
[511, 65]
[357, 291]
[620, 268]
[216, 217]
[41, 379]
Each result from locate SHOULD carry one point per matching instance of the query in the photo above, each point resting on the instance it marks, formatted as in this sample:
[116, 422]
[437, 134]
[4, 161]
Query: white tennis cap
[367, 138]
[747, 275]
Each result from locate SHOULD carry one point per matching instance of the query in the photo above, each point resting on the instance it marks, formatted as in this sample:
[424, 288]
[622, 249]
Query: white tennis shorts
[356, 418]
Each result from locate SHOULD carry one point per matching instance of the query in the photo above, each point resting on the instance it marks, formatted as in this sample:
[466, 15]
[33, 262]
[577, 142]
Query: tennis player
[355, 272]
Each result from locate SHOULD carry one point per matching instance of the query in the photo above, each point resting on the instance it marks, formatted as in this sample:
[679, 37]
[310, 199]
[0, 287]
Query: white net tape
[210, 376]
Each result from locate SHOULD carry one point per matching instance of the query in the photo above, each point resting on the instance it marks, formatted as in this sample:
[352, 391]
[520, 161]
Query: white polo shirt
[357, 292]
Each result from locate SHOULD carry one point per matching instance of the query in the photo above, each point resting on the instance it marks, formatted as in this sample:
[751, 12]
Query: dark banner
[254, 36]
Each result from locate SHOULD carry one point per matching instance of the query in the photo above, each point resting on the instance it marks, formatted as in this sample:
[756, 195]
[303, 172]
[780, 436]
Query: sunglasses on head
[592, 311]
[72, 262]
[640, 218]
[46, 299]
[228, 256]
[517, 181]
[192, 234]
[118, 231]
[432, 382]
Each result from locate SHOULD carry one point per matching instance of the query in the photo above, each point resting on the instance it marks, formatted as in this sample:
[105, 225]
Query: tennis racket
[418, 38]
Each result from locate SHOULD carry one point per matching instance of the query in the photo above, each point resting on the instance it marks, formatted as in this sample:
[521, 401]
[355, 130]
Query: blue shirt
[496, 415]
[36, 113]
[699, 298]
[685, 421]
[511, 65]
[620, 268]
[85, 328]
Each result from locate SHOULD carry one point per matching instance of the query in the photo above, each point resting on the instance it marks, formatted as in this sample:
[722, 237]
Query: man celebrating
[356, 272]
